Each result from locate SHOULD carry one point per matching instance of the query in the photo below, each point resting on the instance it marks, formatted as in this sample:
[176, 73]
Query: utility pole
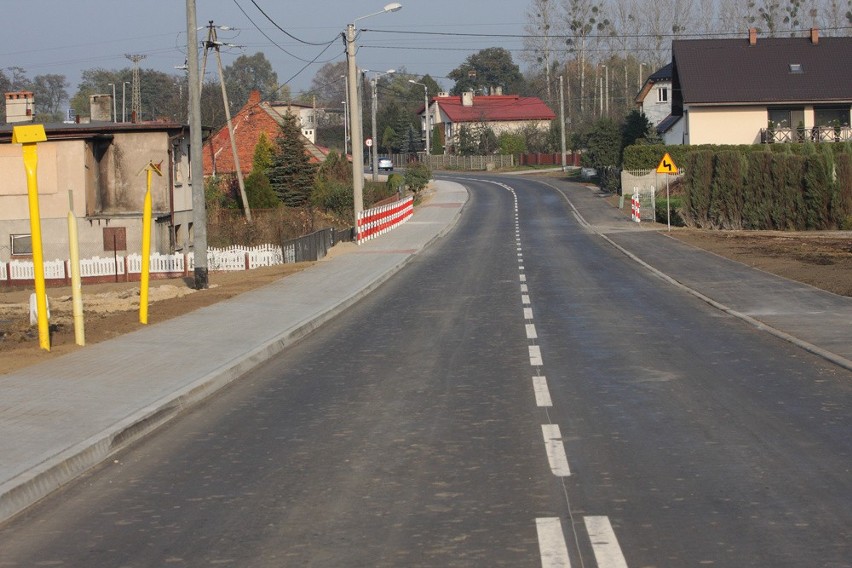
[375, 146]
[213, 43]
[562, 119]
[136, 93]
[199, 206]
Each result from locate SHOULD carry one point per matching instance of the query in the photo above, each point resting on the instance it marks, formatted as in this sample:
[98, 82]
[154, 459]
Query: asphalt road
[521, 394]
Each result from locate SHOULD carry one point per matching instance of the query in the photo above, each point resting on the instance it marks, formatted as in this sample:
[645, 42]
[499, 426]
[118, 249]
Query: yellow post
[76, 288]
[146, 246]
[29, 136]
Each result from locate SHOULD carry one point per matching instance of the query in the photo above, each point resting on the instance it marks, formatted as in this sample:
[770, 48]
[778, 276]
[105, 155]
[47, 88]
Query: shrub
[697, 188]
[818, 191]
[841, 207]
[787, 172]
[758, 191]
[726, 199]
[417, 175]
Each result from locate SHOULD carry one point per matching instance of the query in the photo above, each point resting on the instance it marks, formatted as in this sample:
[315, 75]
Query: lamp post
[123, 93]
[427, 113]
[375, 146]
[114, 117]
[355, 112]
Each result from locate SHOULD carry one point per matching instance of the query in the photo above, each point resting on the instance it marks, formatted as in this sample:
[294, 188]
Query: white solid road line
[551, 543]
[555, 450]
[542, 393]
[604, 544]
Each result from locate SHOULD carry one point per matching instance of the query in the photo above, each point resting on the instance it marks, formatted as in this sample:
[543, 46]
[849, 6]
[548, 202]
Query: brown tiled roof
[730, 71]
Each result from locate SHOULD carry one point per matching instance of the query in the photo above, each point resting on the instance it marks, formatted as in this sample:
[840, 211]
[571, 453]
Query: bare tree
[585, 20]
[329, 84]
[539, 42]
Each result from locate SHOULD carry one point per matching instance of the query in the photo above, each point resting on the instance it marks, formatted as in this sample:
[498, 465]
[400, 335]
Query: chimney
[815, 36]
[19, 106]
[467, 98]
[100, 108]
[254, 97]
[752, 36]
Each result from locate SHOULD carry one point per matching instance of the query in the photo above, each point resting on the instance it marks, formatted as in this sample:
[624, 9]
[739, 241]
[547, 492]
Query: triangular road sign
[667, 165]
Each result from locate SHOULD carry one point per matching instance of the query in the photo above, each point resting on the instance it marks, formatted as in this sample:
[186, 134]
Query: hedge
[763, 190]
[648, 156]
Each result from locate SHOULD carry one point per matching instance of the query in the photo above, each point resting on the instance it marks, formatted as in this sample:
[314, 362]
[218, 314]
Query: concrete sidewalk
[61, 417]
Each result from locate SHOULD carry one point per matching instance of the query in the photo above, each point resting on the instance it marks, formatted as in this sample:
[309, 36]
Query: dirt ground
[821, 259]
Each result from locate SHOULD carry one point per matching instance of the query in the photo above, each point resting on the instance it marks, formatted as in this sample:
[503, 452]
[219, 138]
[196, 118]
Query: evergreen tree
[258, 189]
[291, 173]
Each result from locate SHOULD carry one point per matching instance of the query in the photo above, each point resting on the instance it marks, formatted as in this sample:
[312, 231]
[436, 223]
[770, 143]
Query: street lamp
[114, 117]
[426, 110]
[123, 108]
[375, 145]
[355, 112]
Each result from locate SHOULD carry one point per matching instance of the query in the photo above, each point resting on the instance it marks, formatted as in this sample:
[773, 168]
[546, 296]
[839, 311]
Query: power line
[288, 34]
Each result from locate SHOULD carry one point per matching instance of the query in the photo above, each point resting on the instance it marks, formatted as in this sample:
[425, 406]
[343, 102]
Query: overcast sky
[68, 36]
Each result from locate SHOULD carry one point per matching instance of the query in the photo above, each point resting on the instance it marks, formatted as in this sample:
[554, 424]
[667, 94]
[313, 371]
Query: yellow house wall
[728, 125]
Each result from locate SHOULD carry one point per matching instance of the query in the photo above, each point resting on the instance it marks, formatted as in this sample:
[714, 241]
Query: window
[831, 116]
[663, 95]
[21, 244]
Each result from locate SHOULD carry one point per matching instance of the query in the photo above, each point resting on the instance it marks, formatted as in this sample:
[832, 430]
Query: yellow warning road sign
[667, 165]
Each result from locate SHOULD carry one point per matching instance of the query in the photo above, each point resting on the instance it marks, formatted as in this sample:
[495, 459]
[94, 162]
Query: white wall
[656, 111]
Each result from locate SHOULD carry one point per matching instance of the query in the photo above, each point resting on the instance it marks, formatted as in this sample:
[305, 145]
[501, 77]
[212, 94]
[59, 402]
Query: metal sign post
[668, 167]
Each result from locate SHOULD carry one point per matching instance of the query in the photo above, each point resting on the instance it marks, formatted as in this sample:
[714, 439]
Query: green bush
[841, 207]
[334, 196]
[726, 197]
[697, 185]
[417, 175]
[675, 207]
[818, 191]
[758, 191]
[789, 210]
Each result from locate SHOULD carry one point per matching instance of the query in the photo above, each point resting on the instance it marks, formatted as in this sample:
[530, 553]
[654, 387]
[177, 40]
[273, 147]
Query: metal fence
[311, 247]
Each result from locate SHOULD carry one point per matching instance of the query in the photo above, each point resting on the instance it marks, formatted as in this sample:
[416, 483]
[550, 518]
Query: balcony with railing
[816, 134]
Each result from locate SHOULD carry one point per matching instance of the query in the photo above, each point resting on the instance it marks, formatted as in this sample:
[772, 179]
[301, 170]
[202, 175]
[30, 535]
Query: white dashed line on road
[604, 544]
[555, 450]
[542, 393]
[531, 333]
[535, 356]
[551, 543]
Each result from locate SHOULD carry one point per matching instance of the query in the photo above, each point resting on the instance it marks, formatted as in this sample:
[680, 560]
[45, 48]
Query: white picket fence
[228, 259]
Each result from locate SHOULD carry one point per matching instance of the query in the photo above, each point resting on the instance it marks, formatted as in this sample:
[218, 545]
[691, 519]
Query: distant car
[385, 165]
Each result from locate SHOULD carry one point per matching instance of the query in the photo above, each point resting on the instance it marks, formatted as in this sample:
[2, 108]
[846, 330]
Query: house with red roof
[254, 118]
[500, 113]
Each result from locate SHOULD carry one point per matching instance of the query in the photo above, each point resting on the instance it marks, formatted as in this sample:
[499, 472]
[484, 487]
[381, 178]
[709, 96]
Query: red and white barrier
[379, 220]
[635, 212]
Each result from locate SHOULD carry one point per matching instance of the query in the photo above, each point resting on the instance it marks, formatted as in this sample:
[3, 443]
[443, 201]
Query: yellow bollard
[76, 288]
[146, 246]
[29, 136]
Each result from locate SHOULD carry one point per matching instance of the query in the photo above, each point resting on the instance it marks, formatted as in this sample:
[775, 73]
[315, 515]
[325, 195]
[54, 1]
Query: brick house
[254, 118]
